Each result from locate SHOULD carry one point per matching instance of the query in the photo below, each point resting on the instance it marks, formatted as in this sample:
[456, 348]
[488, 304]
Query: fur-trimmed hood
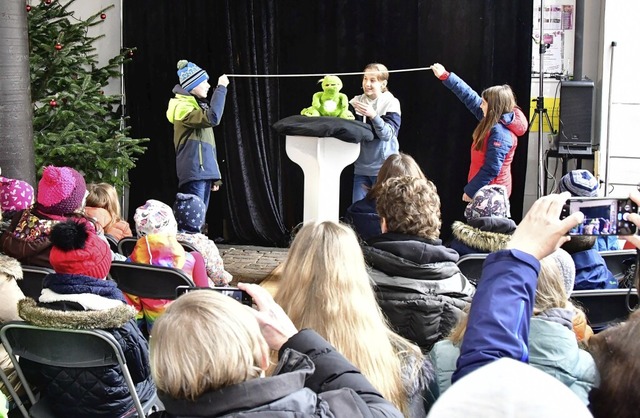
[485, 241]
[51, 318]
[10, 267]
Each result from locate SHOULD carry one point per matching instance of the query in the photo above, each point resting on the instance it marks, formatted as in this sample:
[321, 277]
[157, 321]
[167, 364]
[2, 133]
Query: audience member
[10, 294]
[497, 336]
[616, 352]
[419, 286]
[15, 196]
[362, 214]
[553, 346]
[61, 193]
[103, 205]
[158, 245]
[591, 269]
[215, 366]
[581, 183]
[488, 226]
[190, 212]
[76, 296]
[325, 280]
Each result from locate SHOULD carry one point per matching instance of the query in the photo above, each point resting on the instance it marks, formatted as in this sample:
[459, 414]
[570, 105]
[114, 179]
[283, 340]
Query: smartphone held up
[602, 215]
[233, 292]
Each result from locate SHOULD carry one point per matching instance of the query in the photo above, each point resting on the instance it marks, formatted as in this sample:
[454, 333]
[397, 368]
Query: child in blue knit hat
[190, 211]
[193, 119]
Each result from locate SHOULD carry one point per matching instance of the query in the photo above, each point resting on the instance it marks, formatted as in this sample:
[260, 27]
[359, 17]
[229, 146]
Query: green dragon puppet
[329, 101]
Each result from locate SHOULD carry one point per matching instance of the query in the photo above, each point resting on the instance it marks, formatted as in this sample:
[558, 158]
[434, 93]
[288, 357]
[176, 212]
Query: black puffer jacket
[419, 286]
[89, 392]
[311, 380]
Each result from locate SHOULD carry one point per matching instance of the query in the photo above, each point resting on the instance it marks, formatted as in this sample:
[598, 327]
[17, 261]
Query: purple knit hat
[15, 194]
[61, 190]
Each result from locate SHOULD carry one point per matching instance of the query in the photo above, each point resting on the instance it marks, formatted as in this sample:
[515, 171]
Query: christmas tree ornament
[53, 103]
[47, 2]
[103, 16]
[130, 53]
[28, 8]
[58, 46]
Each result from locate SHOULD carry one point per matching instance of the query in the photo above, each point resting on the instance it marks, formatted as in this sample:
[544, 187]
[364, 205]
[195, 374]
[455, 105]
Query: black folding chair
[126, 244]
[65, 348]
[605, 307]
[148, 281]
[618, 262]
[32, 278]
[471, 266]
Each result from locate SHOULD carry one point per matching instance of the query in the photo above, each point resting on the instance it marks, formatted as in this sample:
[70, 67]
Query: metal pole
[606, 169]
[541, 173]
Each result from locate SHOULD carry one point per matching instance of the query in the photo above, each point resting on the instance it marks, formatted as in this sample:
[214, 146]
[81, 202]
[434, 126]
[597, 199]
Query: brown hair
[500, 100]
[396, 165]
[579, 243]
[616, 352]
[410, 205]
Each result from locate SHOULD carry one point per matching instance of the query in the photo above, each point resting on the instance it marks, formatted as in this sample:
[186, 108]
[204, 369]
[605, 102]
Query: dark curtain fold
[486, 42]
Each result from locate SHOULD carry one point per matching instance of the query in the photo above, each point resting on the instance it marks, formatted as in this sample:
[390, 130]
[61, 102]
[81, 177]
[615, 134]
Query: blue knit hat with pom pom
[190, 75]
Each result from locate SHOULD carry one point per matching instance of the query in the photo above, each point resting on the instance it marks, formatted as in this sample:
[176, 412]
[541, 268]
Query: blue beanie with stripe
[190, 75]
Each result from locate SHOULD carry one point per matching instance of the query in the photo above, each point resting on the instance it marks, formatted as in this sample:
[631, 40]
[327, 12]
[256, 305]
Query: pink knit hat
[15, 194]
[61, 190]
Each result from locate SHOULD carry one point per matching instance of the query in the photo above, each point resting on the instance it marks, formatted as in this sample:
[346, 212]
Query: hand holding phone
[237, 294]
[602, 215]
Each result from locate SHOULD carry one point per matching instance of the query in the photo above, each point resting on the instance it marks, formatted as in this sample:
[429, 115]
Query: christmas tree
[75, 123]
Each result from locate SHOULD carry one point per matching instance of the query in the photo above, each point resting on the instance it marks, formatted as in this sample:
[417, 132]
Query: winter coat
[362, 215]
[118, 230]
[552, 348]
[27, 238]
[10, 295]
[193, 139]
[592, 272]
[419, 286]
[311, 380]
[385, 126]
[212, 259]
[481, 235]
[492, 163]
[90, 392]
[499, 317]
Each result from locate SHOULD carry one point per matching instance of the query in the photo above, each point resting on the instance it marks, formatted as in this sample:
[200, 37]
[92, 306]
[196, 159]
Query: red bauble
[53, 103]
[103, 16]
[28, 8]
[47, 1]
[130, 53]
[58, 46]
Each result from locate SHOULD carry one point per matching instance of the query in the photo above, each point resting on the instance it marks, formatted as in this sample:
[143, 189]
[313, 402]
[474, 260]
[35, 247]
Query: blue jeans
[200, 188]
[361, 186]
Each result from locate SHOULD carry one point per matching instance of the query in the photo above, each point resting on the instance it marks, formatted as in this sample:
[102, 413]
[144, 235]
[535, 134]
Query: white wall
[591, 67]
[109, 45]
[618, 73]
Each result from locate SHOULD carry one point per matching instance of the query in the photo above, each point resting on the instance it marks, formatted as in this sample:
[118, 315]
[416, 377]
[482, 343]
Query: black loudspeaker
[577, 101]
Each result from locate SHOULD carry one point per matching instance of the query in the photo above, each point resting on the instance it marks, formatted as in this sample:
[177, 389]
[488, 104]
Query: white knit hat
[508, 388]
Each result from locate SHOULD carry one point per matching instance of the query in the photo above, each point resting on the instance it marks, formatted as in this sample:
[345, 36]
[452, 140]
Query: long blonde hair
[500, 100]
[105, 196]
[325, 286]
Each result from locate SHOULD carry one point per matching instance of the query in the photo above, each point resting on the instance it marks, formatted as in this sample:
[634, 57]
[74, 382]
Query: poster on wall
[552, 62]
[557, 37]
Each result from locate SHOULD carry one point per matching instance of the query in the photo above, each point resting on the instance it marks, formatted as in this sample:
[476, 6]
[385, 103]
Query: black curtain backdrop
[485, 42]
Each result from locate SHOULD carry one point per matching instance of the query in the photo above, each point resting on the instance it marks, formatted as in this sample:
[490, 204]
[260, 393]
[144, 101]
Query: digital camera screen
[603, 216]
